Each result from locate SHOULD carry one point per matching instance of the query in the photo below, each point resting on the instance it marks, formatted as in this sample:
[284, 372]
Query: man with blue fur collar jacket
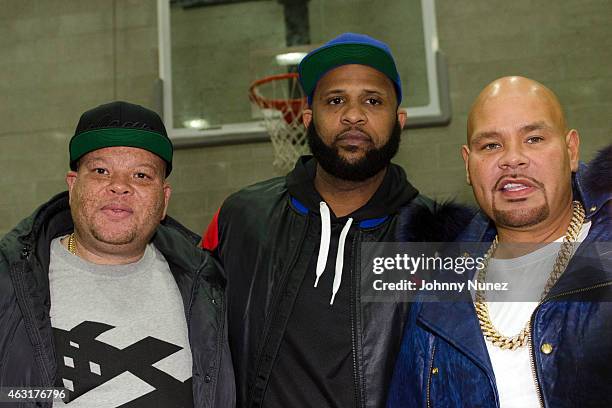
[300, 334]
[522, 163]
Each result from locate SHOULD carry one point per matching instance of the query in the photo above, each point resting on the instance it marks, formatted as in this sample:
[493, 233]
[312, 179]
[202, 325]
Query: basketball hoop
[281, 101]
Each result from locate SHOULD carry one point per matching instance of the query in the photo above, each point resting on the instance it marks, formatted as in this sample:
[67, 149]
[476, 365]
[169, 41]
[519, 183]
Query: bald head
[519, 158]
[514, 90]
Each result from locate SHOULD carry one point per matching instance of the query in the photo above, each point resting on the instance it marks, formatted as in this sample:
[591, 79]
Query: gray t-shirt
[120, 332]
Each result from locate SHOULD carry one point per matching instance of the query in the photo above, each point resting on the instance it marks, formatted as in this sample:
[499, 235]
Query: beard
[373, 161]
[521, 218]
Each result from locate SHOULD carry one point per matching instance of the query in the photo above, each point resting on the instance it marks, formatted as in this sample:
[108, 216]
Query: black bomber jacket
[259, 237]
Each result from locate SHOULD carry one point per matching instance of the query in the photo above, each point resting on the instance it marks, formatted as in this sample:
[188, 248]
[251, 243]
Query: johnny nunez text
[406, 285]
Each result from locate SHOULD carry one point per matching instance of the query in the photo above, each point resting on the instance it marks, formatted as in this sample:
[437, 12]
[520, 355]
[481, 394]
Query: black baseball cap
[120, 124]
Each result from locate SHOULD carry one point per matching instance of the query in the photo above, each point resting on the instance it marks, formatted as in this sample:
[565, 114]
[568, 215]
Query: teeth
[514, 187]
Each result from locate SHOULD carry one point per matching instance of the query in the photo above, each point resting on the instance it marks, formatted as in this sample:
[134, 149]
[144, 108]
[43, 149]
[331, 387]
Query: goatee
[374, 160]
[521, 218]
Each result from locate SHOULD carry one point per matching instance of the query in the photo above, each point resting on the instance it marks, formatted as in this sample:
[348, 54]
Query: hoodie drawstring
[324, 249]
[340, 259]
[325, 237]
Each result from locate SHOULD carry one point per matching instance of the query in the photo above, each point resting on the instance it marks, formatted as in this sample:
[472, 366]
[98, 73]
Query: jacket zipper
[530, 338]
[430, 374]
[533, 367]
[353, 297]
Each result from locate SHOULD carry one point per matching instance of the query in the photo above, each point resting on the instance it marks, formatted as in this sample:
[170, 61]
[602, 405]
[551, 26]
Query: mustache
[352, 130]
[517, 176]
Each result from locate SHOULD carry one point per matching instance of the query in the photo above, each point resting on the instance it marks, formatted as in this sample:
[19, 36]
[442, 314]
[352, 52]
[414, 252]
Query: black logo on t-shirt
[85, 363]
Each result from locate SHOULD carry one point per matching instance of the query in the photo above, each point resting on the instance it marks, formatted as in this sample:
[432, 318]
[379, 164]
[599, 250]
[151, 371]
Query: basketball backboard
[210, 53]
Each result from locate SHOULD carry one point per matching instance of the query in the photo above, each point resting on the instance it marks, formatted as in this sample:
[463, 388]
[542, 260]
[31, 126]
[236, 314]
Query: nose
[513, 157]
[353, 114]
[119, 184]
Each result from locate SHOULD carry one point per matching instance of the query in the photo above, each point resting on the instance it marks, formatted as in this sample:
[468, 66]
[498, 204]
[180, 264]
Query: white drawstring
[340, 260]
[324, 249]
[325, 237]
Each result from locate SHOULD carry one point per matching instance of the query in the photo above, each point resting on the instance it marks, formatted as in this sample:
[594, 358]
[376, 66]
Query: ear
[167, 194]
[572, 141]
[401, 117]
[307, 117]
[71, 177]
[465, 152]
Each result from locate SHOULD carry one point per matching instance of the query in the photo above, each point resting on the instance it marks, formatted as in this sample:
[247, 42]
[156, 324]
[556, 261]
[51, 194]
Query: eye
[491, 146]
[373, 101]
[534, 139]
[141, 175]
[100, 170]
[336, 100]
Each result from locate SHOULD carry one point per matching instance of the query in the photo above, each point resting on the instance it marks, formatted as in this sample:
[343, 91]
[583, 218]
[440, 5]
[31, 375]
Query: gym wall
[61, 57]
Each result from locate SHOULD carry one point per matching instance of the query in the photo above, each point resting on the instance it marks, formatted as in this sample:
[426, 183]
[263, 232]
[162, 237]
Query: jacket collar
[593, 183]
[394, 192]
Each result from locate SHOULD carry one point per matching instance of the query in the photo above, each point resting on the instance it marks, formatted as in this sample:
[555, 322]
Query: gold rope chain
[72, 243]
[563, 257]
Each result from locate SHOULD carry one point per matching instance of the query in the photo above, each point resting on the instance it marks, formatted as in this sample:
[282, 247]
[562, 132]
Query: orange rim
[295, 104]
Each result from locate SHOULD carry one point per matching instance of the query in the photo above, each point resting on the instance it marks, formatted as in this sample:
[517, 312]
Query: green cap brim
[91, 140]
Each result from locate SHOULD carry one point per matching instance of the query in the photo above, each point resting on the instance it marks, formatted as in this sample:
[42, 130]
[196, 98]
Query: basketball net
[281, 101]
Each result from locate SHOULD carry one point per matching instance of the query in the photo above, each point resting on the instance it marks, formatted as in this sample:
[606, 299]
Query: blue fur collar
[598, 176]
[441, 223]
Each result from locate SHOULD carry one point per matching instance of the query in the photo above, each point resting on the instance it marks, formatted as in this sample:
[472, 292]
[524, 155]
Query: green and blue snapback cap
[120, 124]
[348, 48]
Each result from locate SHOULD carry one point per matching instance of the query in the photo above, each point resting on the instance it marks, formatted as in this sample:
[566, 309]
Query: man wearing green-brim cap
[302, 334]
[99, 286]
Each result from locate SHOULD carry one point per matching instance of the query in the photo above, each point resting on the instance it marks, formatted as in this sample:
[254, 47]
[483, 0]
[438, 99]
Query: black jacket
[259, 236]
[27, 354]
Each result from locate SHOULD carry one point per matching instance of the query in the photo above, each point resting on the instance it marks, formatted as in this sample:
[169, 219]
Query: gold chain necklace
[482, 310]
[72, 244]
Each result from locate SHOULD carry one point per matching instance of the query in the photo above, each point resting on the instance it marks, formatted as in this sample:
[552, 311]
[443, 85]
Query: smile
[514, 187]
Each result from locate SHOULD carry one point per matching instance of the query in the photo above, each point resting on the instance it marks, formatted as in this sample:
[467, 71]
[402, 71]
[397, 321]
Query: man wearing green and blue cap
[300, 334]
[104, 295]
